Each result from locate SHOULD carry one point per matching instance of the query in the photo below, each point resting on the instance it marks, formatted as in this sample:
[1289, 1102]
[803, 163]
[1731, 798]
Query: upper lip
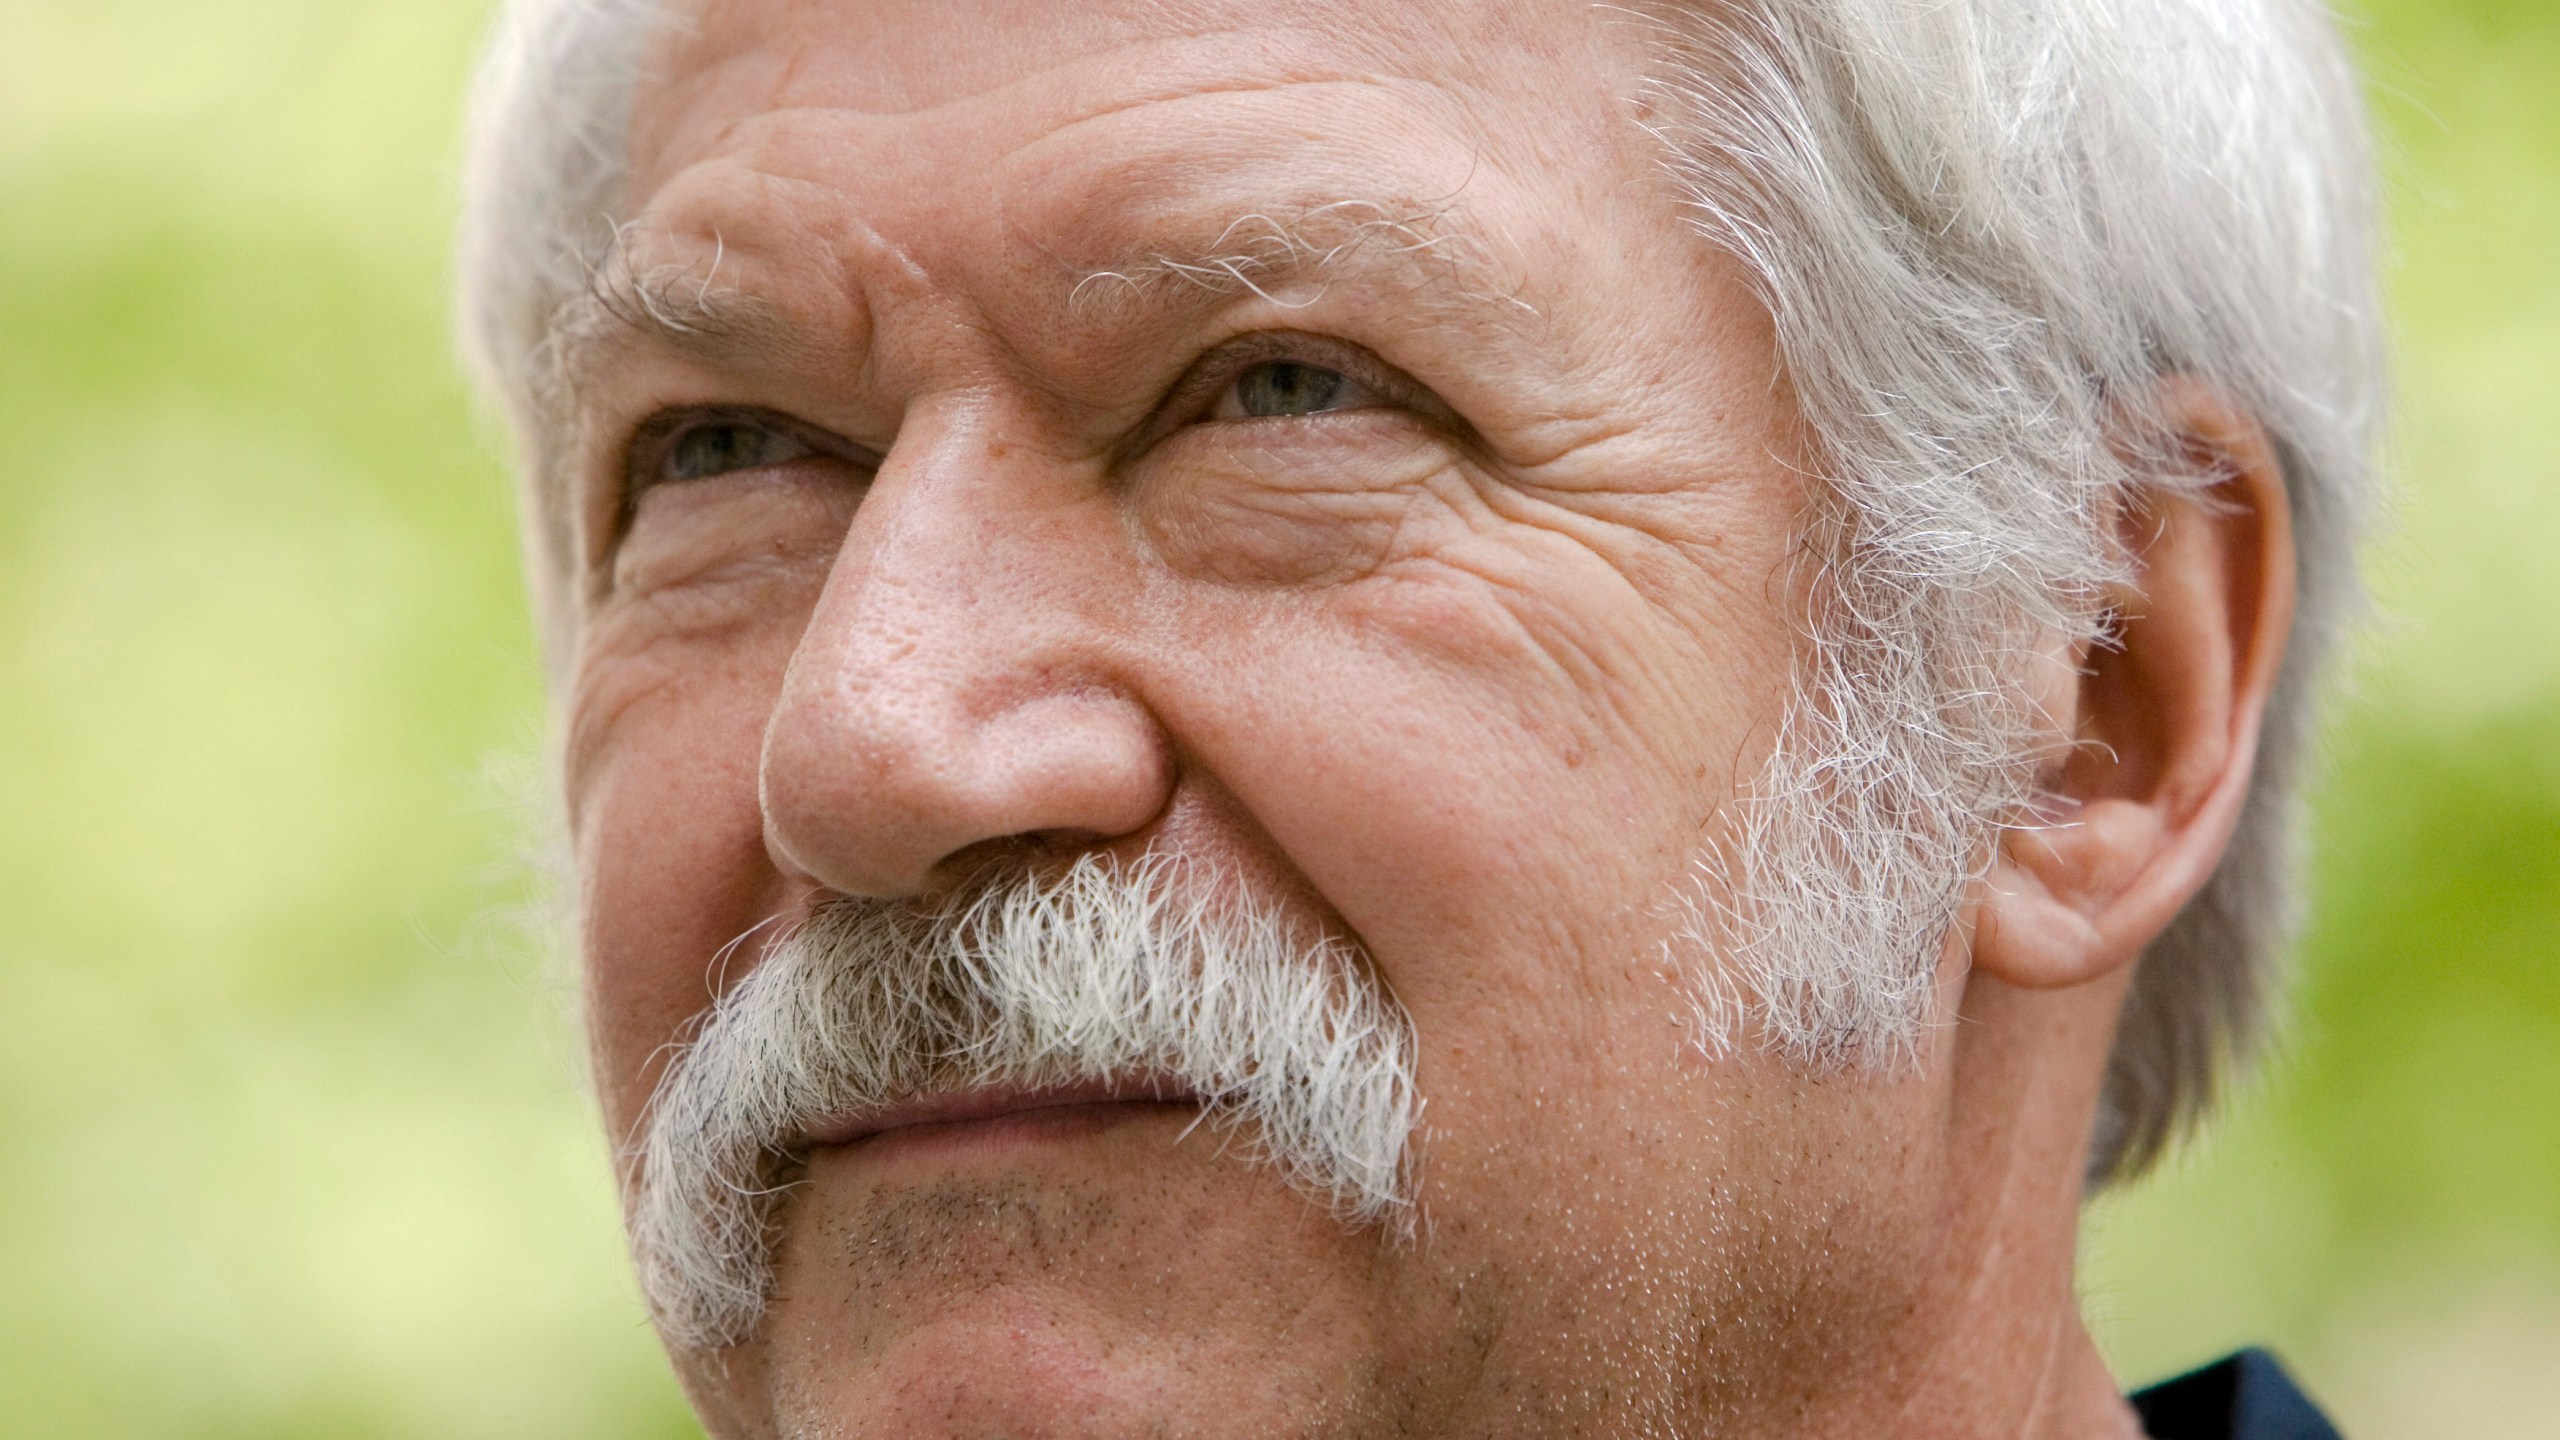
[952, 1107]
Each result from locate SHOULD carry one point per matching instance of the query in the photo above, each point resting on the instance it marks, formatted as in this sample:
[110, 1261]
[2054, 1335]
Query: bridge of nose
[963, 677]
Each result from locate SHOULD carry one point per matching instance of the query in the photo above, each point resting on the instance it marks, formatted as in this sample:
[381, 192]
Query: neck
[2002, 1351]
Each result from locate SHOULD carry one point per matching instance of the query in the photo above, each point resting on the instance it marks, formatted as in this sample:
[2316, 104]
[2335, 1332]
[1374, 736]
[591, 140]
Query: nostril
[1031, 849]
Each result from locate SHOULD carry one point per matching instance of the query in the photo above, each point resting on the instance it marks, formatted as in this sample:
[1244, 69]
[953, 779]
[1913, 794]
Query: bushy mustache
[1102, 971]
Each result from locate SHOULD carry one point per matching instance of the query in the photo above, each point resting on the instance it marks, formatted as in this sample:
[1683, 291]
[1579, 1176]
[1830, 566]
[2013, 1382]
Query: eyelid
[644, 454]
[1197, 393]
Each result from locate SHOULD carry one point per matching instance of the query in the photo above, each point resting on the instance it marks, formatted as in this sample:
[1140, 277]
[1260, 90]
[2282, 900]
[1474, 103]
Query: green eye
[718, 447]
[1286, 387]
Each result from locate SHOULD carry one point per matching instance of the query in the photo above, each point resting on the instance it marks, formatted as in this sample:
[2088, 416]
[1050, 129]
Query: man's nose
[957, 683]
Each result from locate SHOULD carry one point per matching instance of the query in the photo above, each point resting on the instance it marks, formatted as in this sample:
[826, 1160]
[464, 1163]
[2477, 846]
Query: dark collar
[2245, 1397]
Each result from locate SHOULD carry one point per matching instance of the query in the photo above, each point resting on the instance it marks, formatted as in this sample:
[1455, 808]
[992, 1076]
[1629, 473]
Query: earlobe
[2161, 729]
[2050, 914]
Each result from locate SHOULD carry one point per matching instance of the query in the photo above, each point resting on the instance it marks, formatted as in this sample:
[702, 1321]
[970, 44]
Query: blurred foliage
[291, 1139]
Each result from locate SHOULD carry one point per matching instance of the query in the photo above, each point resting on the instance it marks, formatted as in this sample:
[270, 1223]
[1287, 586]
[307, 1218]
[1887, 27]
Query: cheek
[707, 555]
[673, 870]
[670, 844]
[679, 667]
[1498, 802]
[1497, 761]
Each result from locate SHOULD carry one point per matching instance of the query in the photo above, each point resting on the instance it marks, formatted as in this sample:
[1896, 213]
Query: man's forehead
[1191, 175]
[1038, 85]
[893, 57]
[1103, 150]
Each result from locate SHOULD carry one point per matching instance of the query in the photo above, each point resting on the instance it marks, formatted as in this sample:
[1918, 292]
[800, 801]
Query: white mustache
[1099, 973]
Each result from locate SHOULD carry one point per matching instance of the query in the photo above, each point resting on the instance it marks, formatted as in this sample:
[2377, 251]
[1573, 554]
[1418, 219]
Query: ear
[2164, 719]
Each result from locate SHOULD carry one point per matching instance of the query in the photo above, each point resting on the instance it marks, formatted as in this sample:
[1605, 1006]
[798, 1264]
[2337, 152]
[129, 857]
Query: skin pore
[1305, 440]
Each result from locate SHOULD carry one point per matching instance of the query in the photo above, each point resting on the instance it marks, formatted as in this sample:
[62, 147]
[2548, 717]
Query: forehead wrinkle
[1176, 178]
[1264, 247]
[684, 308]
[1416, 240]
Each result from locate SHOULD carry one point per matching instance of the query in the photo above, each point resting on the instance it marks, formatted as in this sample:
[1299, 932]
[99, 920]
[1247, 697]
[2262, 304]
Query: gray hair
[1986, 229]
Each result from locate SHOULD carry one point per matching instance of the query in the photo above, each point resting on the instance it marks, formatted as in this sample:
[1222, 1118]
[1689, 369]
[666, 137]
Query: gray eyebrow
[682, 307]
[1258, 251]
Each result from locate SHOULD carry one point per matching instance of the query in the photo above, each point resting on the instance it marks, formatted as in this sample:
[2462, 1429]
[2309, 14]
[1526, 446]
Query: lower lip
[1011, 1133]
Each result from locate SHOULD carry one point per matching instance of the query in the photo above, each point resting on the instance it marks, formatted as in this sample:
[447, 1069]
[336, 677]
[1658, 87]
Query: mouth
[1001, 1112]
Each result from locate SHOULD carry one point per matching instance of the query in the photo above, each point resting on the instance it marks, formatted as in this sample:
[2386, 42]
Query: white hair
[1986, 230]
[1102, 973]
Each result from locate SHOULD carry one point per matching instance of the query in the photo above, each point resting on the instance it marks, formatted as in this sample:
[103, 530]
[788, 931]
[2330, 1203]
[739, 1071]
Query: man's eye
[717, 447]
[1280, 388]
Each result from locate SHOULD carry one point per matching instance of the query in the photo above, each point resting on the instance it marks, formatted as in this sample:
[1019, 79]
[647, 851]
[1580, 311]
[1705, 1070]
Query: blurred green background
[292, 1141]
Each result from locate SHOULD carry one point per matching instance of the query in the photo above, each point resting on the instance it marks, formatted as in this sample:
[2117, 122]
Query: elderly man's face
[1299, 441]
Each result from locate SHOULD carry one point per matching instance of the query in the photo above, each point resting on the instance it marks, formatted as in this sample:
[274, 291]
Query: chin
[1115, 1278]
[1009, 1361]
